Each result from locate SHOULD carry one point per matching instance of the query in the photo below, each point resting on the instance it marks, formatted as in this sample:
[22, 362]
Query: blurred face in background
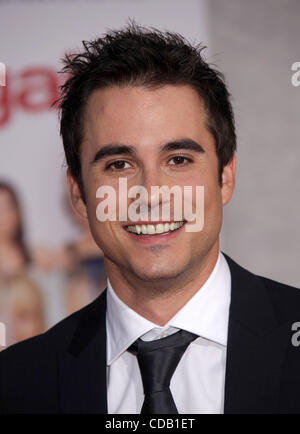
[9, 216]
[25, 309]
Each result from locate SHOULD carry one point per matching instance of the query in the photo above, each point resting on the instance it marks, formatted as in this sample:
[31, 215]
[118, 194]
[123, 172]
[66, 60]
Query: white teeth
[151, 229]
[177, 225]
[154, 229]
[138, 229]
[159, 228]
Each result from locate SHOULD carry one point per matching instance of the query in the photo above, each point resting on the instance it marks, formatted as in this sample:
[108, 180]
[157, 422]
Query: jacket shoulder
[285, 299]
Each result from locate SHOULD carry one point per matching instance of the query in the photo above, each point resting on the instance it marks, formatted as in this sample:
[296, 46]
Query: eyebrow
[113, 149]
[120, 149]
[185, 144]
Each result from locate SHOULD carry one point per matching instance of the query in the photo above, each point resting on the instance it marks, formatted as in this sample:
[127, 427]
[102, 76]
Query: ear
[75, 194]
[228, 180]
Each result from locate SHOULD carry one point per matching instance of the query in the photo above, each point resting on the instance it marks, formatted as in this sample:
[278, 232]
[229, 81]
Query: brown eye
[179, 160]
[118, 165]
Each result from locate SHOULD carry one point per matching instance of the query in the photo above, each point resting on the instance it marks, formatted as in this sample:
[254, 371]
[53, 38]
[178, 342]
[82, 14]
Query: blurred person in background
[21, 303]
[26, 308]
[86, 277]
[67, 277]
[80, 260]
[78, 290]
[84, 253]
[14, 254]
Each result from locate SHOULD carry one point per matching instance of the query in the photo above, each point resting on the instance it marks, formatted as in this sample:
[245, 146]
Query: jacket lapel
[82, 368]
[256, 347]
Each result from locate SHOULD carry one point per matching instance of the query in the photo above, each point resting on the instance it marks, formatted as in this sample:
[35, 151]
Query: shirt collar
[205, 314]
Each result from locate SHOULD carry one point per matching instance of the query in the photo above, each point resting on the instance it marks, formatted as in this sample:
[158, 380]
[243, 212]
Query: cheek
[97, 228]
[213, 196]
[100, 203]
[212, 191]
[212, 204]
[102, 232]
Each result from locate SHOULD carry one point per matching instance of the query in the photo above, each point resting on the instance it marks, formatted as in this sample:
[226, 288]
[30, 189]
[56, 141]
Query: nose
[152, 177]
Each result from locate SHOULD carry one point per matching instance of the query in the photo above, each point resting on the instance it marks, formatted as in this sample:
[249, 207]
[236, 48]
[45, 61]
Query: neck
[159, 301]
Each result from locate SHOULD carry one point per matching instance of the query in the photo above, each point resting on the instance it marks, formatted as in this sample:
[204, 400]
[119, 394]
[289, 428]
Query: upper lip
[141, 222]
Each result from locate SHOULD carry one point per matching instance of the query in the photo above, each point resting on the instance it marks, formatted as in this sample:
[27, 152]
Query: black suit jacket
[64, 369]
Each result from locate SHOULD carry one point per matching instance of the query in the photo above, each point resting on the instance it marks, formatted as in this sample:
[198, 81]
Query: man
[181, 327]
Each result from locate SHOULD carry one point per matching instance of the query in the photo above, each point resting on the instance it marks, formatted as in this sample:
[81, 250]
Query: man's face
[145, 122]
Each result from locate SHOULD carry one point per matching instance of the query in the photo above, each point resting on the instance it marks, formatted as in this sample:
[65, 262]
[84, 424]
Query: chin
[155, 272]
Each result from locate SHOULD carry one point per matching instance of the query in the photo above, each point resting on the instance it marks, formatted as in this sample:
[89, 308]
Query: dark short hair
[148, 57]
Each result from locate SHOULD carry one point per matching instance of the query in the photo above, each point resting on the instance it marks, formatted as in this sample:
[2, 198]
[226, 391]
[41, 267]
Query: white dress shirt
[197, 385]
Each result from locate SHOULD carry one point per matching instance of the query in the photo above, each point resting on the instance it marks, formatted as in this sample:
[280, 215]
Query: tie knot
[158, 359]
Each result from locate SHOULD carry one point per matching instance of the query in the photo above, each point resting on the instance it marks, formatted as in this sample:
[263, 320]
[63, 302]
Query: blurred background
[49, 264]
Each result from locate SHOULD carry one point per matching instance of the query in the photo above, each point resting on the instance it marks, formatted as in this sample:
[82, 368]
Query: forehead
[138, 114]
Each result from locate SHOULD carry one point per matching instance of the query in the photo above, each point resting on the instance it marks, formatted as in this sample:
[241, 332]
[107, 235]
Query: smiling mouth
[154, 229]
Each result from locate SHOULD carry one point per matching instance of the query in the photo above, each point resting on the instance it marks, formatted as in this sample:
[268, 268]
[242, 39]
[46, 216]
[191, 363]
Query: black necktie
[158, 360]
